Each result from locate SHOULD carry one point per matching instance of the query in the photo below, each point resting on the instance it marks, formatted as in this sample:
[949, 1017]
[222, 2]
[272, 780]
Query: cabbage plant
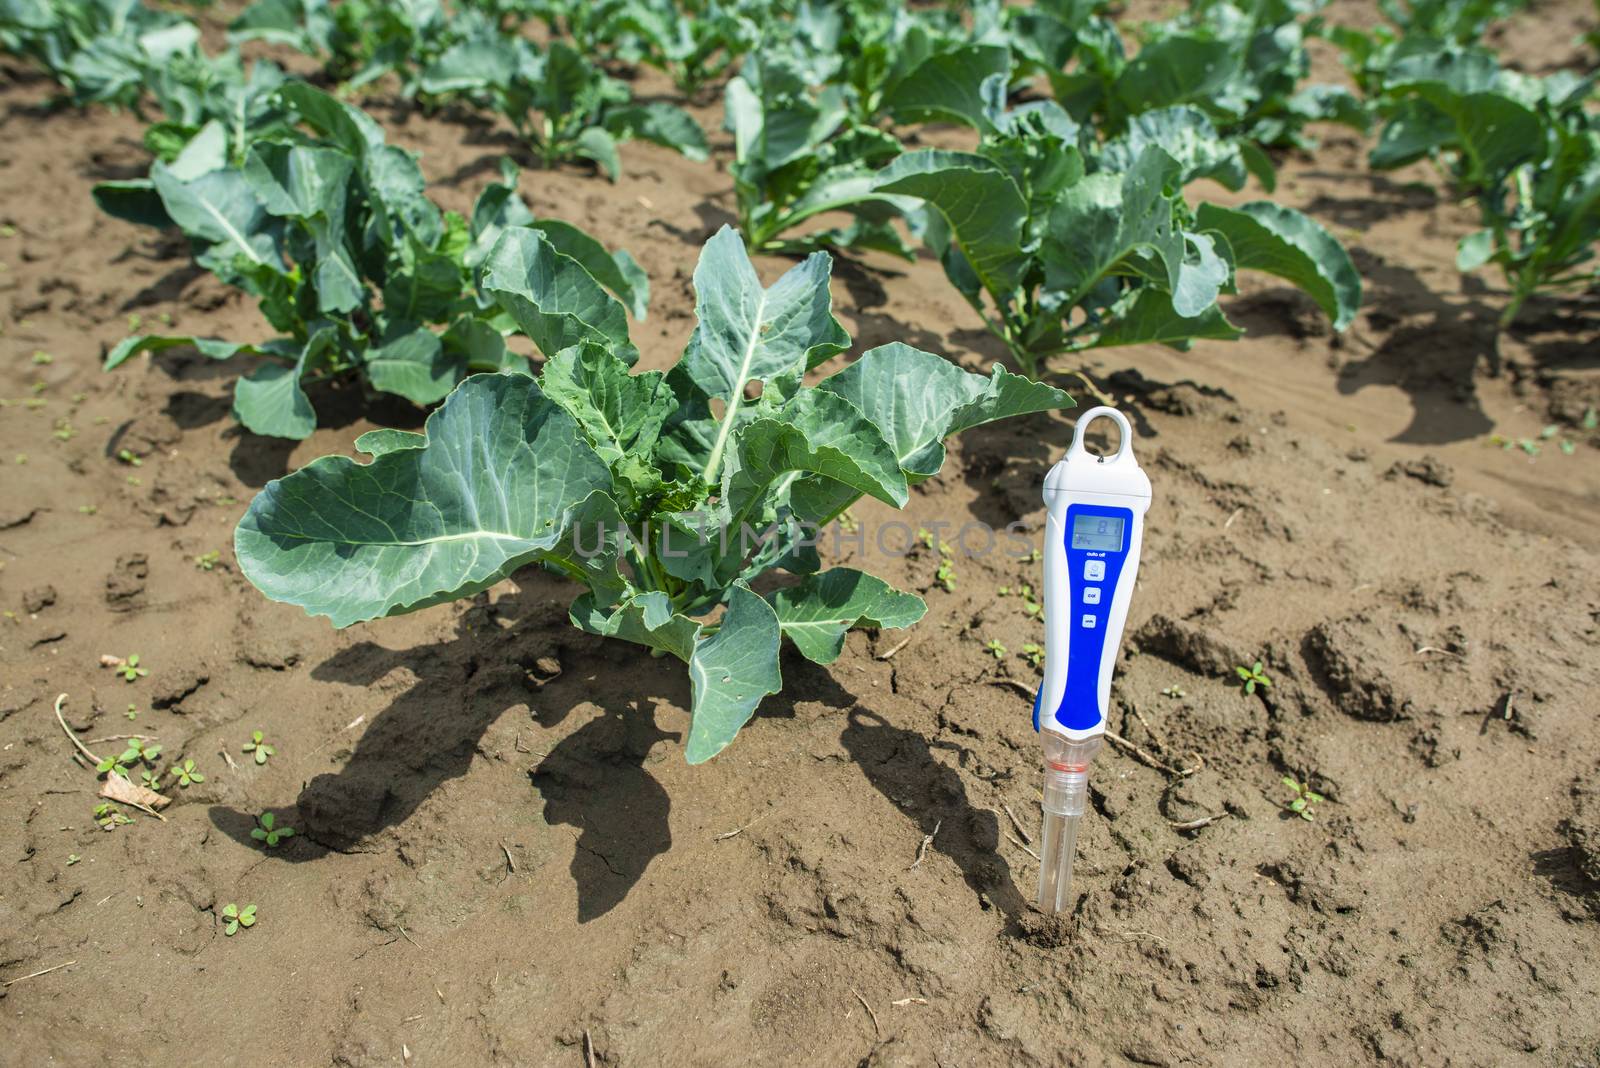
[670, 498]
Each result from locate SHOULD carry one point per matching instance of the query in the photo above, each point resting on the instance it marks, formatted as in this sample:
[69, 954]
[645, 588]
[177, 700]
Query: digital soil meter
[1093, 533]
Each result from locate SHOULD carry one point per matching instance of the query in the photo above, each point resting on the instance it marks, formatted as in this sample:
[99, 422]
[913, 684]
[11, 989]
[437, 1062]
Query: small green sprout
[137, 751]
[42, 358]
[88, 509]
[150, 780]
[1304, 798]
[1173, 691]
[208, 561]
[127, 457]
[129, 668]
[996, 650]
[1252, 677]
[109, 818]
[8, 230]
[1004, 591]
[234, 917]
[268, 830]
[134, 319]
[133, 712]
[260, 748]
[1033, 653]
[110, 765]
[64, 430]
[946, 576]
[186, 773]
[72, 858]
[21, 458]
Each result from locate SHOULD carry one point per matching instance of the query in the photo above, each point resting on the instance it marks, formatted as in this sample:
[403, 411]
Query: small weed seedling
[108, 817]
[1033, 653]
[137, 751]
[260, 748]
[133, 712]
[128, 666]
[186, 773]
[1252, 677]
[72, 858]
[269, 832]
[127, 457]
[1304, 798]
[1173, 691]
[208, 561]
[89, 509]
[995, 649]
[234, 917]
[150, 780]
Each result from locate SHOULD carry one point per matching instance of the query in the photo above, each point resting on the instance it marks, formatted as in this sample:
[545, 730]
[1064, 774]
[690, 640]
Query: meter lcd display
[1097, 533]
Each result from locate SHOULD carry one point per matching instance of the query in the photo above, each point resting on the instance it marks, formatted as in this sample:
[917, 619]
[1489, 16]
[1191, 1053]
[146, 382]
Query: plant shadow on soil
[900, 764]
[593, 779]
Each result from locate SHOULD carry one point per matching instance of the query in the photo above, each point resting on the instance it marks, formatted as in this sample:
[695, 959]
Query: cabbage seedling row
[634, 485]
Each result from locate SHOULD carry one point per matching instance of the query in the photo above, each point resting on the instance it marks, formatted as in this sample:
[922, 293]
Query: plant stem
[60, 700]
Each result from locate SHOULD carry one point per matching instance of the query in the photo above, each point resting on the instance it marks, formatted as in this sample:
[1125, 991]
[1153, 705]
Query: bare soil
[502, 856]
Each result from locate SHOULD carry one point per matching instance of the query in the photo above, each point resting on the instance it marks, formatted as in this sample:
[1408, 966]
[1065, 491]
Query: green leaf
[816, 614]
[981, 204]
[917, 399]
[595, 144]
[212, 348]
[662, 124]
[221, 208]
[493, 490]
[413, 365]
[646, 619]
[1281, 241]
[946, 87]
[617, 271]
[747, 333]
[622, 413]
[730, 672]
[551, 297]
[1152, 319]
[1100, 223]
[270, 400]
[818, 433]
[1175, 70]
[1474, 250]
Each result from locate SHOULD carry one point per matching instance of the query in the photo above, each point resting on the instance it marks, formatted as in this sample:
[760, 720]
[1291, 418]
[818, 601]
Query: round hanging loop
[1124, 446]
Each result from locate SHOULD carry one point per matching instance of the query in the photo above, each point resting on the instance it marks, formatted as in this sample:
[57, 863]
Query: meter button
[1094, 570]
[1088, 622]
[1091, 595]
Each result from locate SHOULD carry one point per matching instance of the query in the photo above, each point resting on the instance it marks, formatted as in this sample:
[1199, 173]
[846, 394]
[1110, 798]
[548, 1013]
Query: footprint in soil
[900, 765]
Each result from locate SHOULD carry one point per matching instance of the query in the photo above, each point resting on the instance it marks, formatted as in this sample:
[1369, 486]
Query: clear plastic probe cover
[1066, 792]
